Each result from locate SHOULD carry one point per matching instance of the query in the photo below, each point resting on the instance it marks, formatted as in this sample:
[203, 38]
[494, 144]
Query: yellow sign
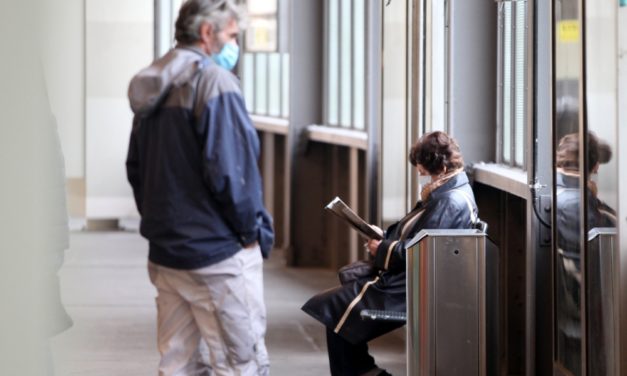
[261, 35]
[568, 31]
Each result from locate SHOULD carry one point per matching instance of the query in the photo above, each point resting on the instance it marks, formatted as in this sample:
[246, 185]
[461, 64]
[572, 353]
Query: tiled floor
[106, 290]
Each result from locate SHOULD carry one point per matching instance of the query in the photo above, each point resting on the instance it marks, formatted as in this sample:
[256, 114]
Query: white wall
[394, 138]
[63, 48]
[119, 42]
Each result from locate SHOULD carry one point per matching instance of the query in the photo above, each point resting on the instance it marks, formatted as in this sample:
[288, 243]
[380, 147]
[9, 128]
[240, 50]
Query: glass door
[586, 187]
[567, 204]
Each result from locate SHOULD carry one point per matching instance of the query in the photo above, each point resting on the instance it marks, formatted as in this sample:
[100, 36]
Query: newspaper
[339, 208]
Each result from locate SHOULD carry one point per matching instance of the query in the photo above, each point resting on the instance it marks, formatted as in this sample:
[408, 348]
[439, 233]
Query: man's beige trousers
[221, 304]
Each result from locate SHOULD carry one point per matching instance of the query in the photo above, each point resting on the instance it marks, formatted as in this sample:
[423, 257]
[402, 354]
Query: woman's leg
[347, 359]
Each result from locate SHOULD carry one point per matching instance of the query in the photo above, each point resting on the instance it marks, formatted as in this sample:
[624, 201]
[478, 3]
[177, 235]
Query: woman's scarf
[437, 183]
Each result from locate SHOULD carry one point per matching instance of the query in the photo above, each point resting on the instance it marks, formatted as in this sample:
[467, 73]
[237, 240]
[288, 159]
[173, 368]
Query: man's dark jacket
[192, 163]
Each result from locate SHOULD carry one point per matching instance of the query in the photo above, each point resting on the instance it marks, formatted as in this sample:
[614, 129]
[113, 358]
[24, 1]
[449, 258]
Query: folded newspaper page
[339, 208]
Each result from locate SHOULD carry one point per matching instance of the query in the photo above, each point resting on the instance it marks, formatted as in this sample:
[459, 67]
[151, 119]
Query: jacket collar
[453, 183]
[194, 49]
[567, 181]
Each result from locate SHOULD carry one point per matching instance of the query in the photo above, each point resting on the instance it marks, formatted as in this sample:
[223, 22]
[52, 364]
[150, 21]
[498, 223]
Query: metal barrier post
[447, 303]
[602, 309]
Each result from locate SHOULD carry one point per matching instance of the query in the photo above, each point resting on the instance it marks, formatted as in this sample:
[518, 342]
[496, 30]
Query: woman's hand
[372, 246]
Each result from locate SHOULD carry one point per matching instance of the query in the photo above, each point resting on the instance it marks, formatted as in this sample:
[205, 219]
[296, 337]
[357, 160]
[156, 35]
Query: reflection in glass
[601, 118]
[568, 233]
[568, 194]
[602, 325]
[568, 262]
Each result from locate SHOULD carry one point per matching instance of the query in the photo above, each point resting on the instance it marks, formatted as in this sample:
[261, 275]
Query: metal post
[448, 303]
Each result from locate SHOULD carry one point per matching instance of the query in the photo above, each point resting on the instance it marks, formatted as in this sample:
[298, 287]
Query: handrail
[338, 136]
[599, 231]
[509, 179]
[270, 124]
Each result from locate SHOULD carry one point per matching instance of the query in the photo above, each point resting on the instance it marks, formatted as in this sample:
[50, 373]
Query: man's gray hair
[218, 13]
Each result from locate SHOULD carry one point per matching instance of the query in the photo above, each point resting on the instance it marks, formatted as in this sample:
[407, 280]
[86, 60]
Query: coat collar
[453, 183]
[567, 181]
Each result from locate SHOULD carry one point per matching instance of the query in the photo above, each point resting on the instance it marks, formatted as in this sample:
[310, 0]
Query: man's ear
[206, 33]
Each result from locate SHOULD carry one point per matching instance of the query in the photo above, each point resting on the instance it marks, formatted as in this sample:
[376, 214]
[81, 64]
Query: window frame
[518, 119]
[252, 101]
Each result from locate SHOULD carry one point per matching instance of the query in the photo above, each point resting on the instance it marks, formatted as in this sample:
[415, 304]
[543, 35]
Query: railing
[331, 163]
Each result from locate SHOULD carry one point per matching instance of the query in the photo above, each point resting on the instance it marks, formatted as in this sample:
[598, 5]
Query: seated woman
[447, 203]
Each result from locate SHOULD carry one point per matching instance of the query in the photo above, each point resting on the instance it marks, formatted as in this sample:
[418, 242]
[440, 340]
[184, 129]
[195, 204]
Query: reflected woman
[568, 268]
[447, 202]
[568, 197]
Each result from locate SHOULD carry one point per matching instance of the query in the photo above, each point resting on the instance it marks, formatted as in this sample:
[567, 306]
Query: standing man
[192, 163]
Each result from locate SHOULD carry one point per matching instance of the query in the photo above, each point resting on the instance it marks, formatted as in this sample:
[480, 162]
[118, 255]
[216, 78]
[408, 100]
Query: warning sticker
[568, 31]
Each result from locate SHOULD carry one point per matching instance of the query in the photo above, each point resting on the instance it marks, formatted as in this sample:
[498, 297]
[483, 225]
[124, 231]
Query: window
[345, 63]
[512, 82]
[265, 80]
[265, 61]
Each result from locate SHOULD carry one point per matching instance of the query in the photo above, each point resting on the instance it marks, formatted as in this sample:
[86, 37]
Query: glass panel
[359, 65]
[333, 63]
[248, 81]
[274, 83]
[567, 206]
[507, 82]
[521, 92]
[346, 61]
[285, 94]
[261, 84]
[601, 115]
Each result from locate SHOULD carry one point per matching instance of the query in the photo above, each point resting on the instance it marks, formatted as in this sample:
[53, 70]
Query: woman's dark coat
[568, 270]
[446, 208]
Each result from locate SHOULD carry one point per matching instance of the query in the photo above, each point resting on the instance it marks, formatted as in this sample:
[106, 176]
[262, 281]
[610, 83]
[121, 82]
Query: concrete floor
[106, 290]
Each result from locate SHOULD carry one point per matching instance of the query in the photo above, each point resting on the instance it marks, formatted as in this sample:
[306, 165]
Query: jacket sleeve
[230, 170]
[132, 167]
[443, 214]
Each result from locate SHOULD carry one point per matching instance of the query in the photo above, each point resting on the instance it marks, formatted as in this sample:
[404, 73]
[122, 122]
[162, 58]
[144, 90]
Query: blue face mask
[228, 56]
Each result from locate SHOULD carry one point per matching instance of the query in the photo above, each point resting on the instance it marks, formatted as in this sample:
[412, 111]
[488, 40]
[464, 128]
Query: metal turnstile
[602, 311]
[452, 304]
